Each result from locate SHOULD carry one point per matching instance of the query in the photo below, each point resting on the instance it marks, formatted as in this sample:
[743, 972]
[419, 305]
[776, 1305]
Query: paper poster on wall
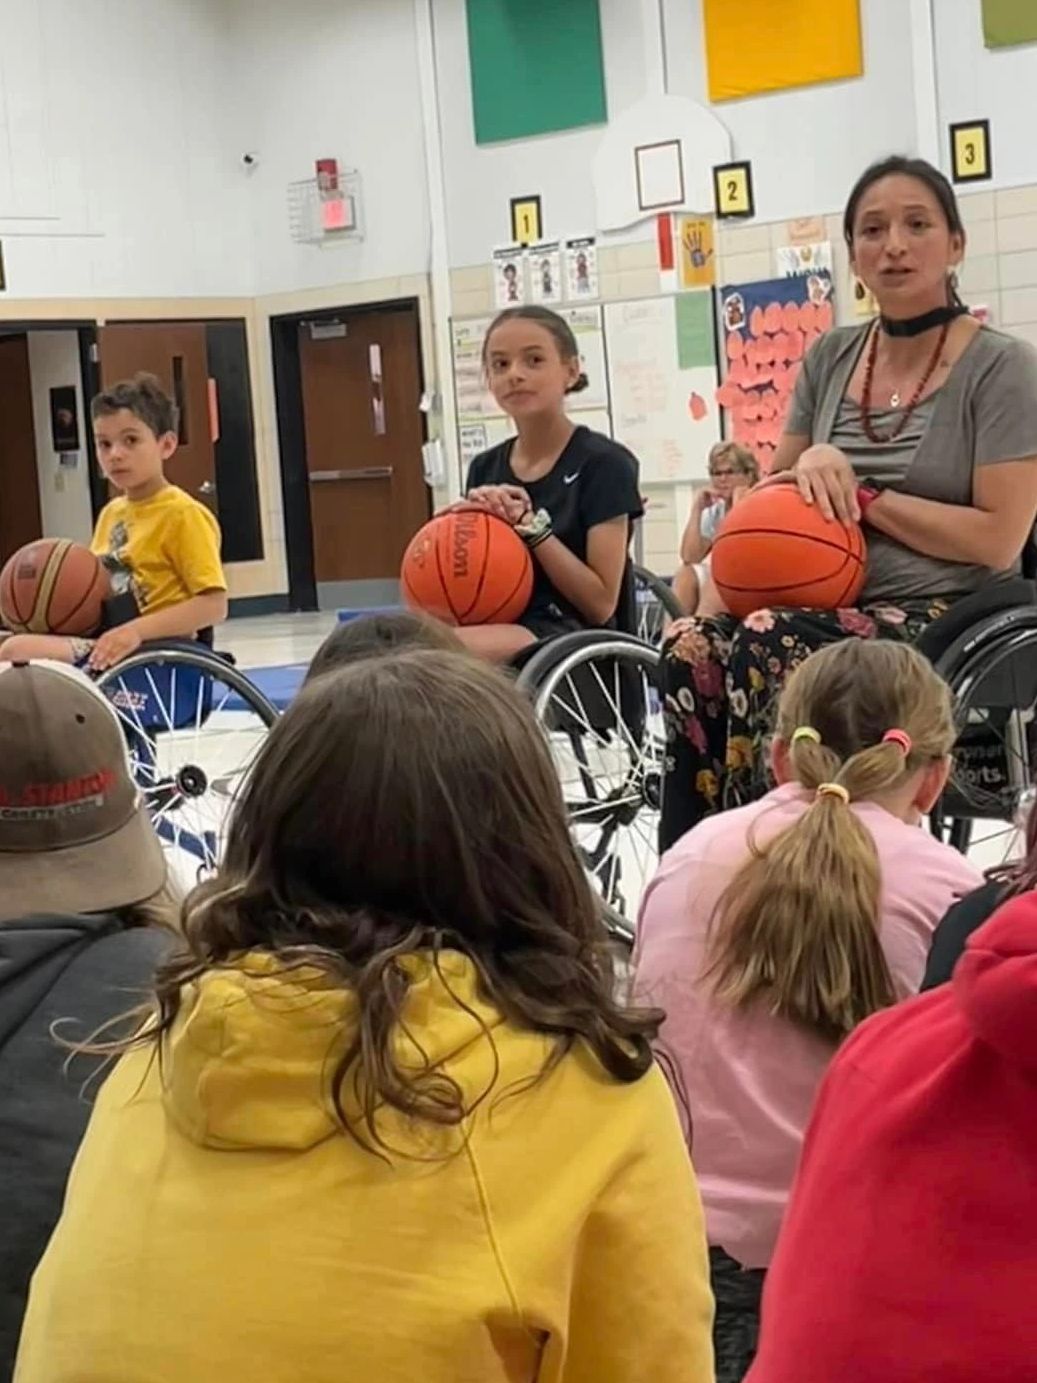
[474, 400]
[804, 259]
[768, 327]
[805, 230]
[695, 252]
[581, 268]
[509, 276]
[662, 377]
[545, 272]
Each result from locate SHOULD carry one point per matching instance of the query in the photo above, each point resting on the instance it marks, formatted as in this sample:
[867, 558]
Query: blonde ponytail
[797, 930]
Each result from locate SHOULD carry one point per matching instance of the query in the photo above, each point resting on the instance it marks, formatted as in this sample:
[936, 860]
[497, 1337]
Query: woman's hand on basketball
[114, 645]
[507, 502]
[825, 478]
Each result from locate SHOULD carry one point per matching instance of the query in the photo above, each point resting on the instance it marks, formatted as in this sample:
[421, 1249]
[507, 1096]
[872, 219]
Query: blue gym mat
[279, 684]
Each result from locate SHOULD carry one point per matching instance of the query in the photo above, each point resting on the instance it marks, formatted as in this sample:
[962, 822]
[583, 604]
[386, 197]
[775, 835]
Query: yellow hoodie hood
[555, 1238]
[251, 1059]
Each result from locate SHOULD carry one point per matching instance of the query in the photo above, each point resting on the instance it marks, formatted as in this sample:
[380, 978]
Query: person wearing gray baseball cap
[84, 919]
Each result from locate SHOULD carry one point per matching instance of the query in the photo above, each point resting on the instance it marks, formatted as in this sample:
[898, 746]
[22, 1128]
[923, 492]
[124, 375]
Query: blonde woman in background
[732, 473]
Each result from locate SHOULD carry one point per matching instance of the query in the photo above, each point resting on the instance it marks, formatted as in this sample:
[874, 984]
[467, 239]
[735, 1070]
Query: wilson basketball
[467, 567]
[53, 586]
[775, 549]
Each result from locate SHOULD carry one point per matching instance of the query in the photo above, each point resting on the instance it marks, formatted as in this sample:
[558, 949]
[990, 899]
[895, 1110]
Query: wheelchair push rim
[992, 782]
[193, 725]
[610, 769]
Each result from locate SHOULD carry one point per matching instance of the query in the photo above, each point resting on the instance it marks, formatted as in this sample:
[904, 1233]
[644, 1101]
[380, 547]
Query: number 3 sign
[733, 190]
[970, 151]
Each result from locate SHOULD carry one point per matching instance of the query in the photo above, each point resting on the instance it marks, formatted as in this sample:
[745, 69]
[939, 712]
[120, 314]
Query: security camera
[249, 161]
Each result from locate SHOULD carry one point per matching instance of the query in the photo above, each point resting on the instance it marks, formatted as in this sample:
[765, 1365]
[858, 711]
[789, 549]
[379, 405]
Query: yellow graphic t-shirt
[164, 550]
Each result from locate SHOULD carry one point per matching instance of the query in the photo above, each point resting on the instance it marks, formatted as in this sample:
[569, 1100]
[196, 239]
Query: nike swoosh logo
[568, 479]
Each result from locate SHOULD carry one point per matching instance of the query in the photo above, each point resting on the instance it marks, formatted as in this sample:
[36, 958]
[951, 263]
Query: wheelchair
[595, 693]
[985, 648]
[193, 724]
[655, 605]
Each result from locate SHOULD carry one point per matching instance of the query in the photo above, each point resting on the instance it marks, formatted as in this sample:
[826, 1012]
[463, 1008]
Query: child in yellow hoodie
[387, 1121]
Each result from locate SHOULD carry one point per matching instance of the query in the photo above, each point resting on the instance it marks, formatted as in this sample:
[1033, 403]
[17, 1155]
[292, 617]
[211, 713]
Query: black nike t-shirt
[594, 480]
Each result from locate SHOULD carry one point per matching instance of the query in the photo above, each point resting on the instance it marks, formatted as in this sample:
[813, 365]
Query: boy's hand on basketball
[826, 478]
[113, 646]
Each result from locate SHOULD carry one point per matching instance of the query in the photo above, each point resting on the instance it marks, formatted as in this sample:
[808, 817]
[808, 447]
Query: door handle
[363, 473]
[206, 488]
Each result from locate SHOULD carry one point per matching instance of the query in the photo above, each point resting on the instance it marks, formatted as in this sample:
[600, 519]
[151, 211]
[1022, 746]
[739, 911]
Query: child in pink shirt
[771, 931]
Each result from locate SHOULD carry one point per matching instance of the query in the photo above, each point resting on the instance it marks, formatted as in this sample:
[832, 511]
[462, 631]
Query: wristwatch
[868, 491]
[535, 529]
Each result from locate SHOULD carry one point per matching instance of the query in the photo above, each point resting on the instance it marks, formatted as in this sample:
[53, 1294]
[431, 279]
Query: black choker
[914, 326]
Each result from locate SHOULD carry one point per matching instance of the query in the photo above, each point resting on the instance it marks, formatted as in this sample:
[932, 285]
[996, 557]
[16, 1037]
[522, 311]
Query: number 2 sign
[970, 151]
[733, 190]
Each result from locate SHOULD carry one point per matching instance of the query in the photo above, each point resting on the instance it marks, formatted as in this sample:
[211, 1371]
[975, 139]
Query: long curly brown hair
[409, 805]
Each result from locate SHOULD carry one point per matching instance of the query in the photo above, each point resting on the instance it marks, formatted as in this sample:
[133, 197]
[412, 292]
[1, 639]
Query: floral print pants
[720, 681]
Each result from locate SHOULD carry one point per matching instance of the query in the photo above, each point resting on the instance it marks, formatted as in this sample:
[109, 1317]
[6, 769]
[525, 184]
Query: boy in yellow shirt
[156, 542]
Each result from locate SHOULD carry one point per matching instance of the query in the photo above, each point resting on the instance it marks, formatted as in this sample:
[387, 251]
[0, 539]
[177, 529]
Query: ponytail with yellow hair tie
[834, 790]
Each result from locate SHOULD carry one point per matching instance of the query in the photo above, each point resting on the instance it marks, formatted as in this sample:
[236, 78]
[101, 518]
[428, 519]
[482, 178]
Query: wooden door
[20, 520]
[361, 390]
[176, 353]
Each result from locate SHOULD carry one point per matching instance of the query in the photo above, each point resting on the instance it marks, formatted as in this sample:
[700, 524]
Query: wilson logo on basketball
[465, 530]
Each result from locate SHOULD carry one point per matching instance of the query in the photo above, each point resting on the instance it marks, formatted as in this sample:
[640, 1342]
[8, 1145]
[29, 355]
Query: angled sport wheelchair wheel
[595, 694]
[193, 724]
[655, 604]
[991, 788]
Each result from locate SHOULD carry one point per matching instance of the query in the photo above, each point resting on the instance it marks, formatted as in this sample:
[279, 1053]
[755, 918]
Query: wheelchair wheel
[656, 605]
[992, 784]
[595, 696]
[193, 724]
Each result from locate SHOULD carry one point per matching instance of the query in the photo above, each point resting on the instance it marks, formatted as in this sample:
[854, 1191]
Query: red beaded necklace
[912, 403]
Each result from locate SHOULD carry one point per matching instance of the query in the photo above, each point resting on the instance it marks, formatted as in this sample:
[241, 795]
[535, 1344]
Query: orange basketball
[775, 549]
[466, 567]
[53, 586]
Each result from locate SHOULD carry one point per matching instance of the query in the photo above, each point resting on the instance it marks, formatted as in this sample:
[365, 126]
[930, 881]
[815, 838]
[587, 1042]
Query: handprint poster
[696, 255]
[767, 328]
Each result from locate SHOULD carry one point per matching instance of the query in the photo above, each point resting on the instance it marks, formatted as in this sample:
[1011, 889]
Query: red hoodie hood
[995, 981]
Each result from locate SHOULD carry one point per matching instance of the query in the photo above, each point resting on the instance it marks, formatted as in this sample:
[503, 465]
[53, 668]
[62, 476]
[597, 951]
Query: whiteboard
[664, 408]
[474, 401]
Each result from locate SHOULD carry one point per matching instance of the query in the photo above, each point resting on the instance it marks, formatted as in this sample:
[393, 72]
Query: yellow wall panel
[754, 46]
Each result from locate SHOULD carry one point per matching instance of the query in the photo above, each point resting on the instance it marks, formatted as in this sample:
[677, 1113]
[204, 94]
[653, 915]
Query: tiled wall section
[999, 272]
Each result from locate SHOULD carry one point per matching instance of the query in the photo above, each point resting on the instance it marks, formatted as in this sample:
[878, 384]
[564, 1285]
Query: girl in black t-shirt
[571, 493]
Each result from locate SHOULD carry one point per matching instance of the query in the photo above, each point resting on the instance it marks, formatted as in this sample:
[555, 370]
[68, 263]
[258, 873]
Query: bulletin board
[662, 368]
[768, 327]
[480, 422]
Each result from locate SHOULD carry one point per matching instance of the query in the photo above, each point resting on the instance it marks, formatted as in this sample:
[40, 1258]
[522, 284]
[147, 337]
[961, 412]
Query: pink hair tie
[900, 737]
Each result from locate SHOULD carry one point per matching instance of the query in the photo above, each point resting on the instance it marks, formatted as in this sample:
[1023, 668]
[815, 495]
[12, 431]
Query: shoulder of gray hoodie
[78, 973]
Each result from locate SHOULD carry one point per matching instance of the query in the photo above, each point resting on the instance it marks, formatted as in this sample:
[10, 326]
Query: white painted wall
[997, 84]
[117, 177]
[481, 180]
[326, 78]
[806, 145]
[64, 491]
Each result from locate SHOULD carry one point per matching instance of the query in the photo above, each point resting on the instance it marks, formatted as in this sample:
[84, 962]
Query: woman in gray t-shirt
[921, 424]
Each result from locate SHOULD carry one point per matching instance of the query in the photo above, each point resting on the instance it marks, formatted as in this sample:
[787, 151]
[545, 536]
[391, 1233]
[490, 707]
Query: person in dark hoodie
[969, 913]
[907, 1252]
[83, 923]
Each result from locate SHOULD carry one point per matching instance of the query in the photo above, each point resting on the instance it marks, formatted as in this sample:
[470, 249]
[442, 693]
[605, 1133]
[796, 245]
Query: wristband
[535, 529]
[868, 491]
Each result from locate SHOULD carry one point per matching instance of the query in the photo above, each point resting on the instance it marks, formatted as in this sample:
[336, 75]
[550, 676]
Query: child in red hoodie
[908, 1250]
